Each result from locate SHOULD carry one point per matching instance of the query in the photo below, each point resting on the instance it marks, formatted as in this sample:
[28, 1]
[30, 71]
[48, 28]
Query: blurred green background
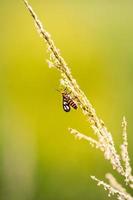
[39, 159]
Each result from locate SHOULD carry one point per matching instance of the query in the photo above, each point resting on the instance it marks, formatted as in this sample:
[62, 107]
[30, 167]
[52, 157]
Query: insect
[68, 102]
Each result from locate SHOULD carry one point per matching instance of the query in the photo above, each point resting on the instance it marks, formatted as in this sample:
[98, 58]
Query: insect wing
[66, 106]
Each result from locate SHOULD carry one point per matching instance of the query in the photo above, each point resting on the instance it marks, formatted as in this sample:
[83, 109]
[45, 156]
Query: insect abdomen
[73, 104]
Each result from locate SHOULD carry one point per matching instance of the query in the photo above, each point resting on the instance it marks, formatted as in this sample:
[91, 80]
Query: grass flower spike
[104, 141]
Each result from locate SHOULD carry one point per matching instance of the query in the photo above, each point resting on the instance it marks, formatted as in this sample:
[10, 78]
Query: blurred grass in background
[39, 159]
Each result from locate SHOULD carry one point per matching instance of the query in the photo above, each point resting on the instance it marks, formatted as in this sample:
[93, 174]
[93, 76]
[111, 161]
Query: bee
[68, 102]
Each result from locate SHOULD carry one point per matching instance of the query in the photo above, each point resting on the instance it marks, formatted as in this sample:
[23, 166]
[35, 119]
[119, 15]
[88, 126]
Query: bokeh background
[39, 159]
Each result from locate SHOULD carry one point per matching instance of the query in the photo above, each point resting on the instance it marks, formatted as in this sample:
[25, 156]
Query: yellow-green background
[39, 159]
